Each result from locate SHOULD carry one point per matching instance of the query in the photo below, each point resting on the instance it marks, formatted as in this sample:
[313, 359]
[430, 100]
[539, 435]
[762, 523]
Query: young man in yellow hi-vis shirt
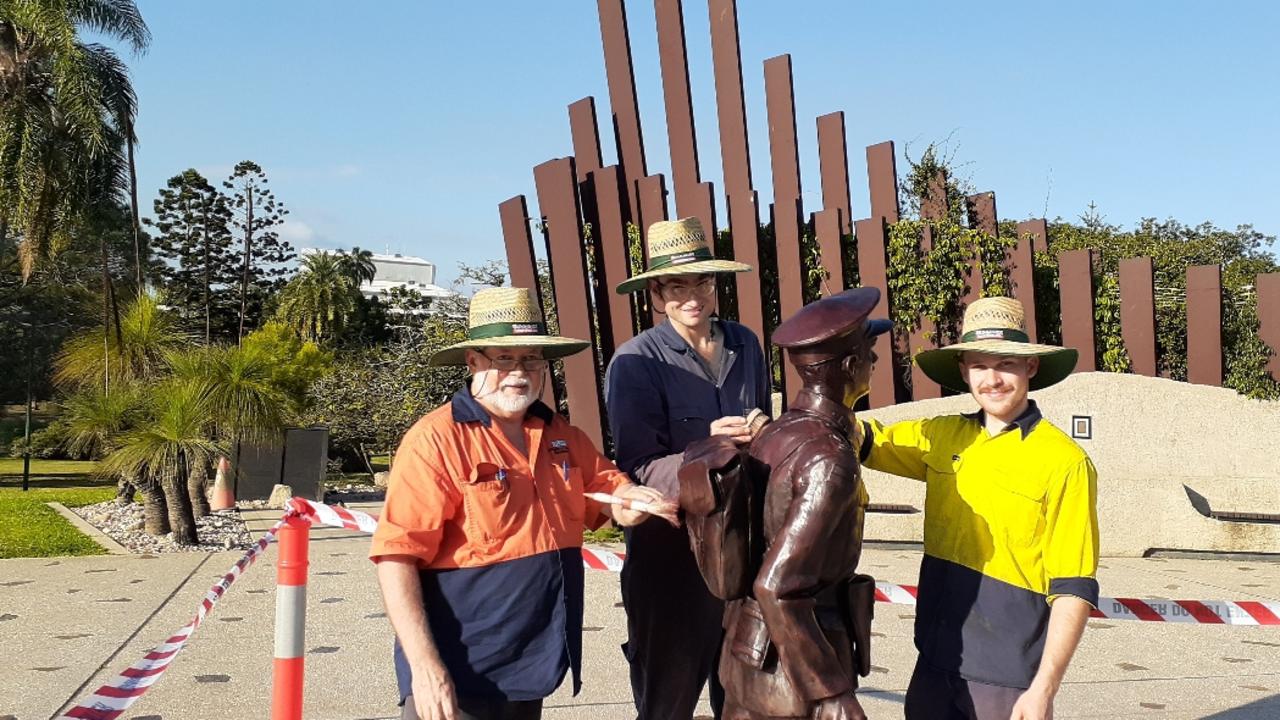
[1010, 526]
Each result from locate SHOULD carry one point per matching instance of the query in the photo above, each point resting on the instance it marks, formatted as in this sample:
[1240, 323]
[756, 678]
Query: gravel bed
[218, 531]
[353, 493]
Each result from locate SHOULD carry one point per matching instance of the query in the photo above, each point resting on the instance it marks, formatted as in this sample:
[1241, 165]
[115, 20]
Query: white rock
[280, 496]
[380, 478]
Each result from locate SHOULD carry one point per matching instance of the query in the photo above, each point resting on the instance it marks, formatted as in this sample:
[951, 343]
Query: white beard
[512, 404]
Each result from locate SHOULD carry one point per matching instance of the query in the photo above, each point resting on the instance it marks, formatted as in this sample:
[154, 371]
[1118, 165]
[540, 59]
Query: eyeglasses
[680, 293]
[507, 364]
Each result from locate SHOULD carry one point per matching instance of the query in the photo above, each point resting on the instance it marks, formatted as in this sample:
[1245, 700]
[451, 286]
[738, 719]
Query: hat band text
[995, 334]
[680, 258]
[481, 332]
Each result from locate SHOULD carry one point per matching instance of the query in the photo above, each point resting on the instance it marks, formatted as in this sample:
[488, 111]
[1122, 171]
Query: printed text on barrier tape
[1214, 612]
[1219, 612]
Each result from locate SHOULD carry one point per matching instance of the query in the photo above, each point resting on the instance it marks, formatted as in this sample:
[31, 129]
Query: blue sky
[403, 126]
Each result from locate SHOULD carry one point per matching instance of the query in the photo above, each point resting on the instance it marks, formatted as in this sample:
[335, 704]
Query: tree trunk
[133, 207]
[197, 486]
[208, 282]
[106, 321]
[125, 491]
[248, 250]
[110, 310]
[181, 517]
[155, 510]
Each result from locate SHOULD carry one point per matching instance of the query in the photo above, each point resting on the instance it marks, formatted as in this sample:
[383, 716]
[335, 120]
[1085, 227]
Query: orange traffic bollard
[291, 618]
[222, 496]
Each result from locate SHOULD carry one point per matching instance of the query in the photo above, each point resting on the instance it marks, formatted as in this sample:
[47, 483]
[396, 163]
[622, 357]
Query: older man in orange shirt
[479, 543]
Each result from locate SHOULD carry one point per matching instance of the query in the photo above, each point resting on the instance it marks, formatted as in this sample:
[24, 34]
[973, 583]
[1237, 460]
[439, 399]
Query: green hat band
[995, 334]
[482, 332]
[665, 261]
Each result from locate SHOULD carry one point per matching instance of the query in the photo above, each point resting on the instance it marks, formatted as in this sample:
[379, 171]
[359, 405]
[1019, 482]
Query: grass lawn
[606, 534]
[29, 527]
[12, 468]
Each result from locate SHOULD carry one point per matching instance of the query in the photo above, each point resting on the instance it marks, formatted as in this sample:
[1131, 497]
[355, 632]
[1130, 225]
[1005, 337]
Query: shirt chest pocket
[1011, 508]
[568, 490]
[688, 423]
[492, 503]
[1017, 507]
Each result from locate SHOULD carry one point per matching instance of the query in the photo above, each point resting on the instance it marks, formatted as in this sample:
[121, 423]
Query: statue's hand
[840, 707]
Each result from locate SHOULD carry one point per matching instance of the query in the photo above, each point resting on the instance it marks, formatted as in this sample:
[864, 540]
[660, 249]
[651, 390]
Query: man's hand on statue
[840, 707]
[434, 697]
[733, 427]
[655, 501]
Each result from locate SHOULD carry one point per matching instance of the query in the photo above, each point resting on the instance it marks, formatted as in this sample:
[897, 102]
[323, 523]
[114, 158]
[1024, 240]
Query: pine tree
[255, 215]
[192, 218]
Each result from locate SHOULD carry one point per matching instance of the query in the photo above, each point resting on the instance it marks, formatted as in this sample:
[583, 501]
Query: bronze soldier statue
[777, 528]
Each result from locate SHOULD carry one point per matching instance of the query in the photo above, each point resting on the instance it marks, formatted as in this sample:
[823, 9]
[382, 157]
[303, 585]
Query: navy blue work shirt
[660, 397]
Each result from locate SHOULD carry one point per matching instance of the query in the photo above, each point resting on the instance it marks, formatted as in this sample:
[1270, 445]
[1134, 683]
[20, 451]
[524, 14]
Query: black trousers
[673, 624]
[937, 695]
[484, 709]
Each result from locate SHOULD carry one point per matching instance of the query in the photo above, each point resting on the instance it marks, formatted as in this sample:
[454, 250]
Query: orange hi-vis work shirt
[461, 495]
[497, 536]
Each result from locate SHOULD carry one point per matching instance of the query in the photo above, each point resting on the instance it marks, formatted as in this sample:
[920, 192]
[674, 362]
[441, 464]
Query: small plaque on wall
[1082, 427]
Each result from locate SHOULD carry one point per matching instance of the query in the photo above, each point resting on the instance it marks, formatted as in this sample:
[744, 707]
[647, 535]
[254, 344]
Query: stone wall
[1148, 437]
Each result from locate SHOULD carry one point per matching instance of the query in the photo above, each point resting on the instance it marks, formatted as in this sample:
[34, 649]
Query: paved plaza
[68, 624]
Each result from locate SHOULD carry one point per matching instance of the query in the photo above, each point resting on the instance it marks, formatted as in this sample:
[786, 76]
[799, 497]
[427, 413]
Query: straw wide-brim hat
[678, 247]
[506, 317]
[997, 326]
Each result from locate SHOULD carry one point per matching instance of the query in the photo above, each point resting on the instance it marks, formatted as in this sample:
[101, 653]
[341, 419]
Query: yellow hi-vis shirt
[1010, 523]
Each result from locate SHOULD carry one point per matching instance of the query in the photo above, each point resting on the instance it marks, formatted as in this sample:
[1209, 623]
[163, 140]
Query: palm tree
[147, 335]
[242, 399]
[66, 109]
[135, 354]
[96, 422]
[172, 438]
[317, 302]
[359, 265]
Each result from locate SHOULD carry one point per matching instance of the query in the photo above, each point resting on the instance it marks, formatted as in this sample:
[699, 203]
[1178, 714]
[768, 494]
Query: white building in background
[404, 271]
[396, 270]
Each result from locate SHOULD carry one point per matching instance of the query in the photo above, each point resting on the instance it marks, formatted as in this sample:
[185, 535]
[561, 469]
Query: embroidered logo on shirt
[559, 446]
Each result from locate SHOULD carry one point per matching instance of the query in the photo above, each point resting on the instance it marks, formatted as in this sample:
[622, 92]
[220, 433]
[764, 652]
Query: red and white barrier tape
[1219, 612]
[1211, 612]
[113, 698]
[334, 515]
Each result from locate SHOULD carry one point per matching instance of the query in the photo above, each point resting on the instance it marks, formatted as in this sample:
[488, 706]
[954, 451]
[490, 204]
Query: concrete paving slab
[64, 617]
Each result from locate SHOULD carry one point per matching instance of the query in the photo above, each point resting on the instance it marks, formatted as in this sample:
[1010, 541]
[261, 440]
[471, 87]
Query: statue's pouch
[749, 641]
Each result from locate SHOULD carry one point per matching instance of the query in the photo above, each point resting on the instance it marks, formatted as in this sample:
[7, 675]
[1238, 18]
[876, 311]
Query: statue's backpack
[722, 493]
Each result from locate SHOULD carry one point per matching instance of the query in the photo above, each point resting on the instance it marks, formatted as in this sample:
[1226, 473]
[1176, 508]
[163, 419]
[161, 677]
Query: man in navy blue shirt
[685, 379]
